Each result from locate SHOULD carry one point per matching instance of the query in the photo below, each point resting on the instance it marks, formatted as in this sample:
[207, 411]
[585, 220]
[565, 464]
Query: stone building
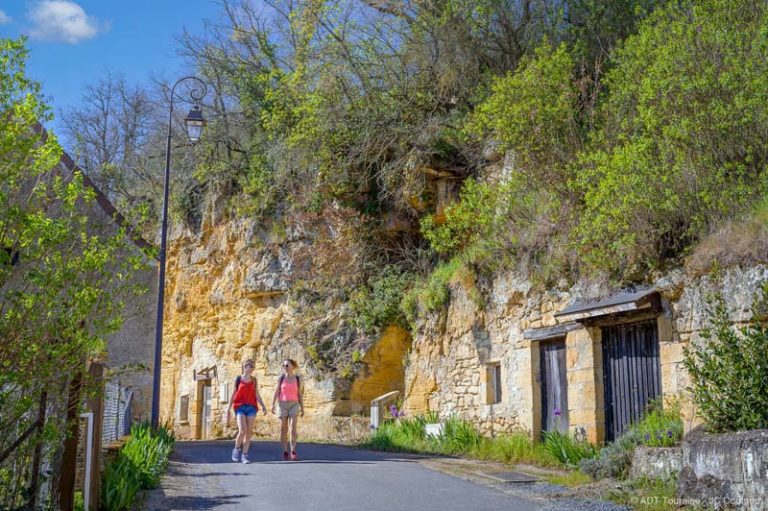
[582, 359]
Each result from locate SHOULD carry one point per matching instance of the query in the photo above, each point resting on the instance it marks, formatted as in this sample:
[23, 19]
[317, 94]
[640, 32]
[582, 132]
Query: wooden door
[554, 386]
[631, 373]
[207, 411]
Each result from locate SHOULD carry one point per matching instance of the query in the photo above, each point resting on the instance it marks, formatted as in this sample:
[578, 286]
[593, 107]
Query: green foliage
[377, 305]
[468, 221]
[138, 466]
[661, 426]
[459, 437]
[64, 275]
[533, 111]
[729, 369]
[568, 450]
[432, 294]
[514, 448]
[119, 485]
[682, 137]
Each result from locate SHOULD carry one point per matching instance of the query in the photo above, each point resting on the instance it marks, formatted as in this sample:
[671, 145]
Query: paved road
[202, 476]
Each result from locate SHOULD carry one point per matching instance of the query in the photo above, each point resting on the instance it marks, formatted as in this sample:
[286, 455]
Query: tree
[63, 276]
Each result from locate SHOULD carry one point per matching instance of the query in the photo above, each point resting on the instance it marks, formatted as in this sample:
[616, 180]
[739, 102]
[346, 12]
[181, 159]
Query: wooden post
[38, 453]
[96, 405]
[69, 458]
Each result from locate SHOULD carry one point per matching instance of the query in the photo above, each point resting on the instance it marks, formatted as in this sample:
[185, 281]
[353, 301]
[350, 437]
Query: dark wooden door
[554, 386]
[631, 373]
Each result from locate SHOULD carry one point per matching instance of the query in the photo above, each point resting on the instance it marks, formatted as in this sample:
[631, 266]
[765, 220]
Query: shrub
[661, 426]
[681, 138]
[138, 466]
[468, 221]
[729, 370]
[377, 304]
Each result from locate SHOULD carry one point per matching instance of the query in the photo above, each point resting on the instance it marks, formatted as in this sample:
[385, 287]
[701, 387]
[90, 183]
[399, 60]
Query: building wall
[450, 353]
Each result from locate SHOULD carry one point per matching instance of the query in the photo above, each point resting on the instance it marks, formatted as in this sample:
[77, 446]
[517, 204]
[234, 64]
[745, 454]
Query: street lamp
[194, 123]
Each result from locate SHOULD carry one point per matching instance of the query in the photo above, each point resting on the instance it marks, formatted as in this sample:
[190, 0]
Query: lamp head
[195, 123]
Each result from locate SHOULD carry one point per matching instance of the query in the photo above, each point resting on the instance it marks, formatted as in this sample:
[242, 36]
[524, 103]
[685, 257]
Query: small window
[184, 409]
[494, 383]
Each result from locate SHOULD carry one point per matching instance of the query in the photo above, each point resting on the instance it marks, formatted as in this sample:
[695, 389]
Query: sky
[75, 42]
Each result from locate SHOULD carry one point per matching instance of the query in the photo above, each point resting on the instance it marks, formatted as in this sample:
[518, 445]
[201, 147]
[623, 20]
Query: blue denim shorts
[247, 410]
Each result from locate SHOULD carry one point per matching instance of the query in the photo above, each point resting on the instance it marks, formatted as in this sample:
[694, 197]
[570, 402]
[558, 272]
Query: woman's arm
[301, 396]
[258, 396]
[274, 398]
[231, 401]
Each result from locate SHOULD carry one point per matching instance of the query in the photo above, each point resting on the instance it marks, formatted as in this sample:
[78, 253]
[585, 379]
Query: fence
[117, 412]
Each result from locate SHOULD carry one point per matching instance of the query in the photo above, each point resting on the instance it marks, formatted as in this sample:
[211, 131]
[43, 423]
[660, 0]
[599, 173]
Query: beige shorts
[288, 408]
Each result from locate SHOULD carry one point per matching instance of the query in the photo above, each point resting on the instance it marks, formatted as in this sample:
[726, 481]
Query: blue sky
[75, 42]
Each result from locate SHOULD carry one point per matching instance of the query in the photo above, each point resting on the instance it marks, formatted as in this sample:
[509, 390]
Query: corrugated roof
[620, 302]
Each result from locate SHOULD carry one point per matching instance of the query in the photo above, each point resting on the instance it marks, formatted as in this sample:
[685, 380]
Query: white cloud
[4, 18]
[62, 20]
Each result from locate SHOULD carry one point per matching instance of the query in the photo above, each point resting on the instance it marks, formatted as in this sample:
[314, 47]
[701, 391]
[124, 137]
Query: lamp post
[194, 123]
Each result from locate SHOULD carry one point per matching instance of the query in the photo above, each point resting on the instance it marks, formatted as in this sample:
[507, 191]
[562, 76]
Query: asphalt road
[202, 476]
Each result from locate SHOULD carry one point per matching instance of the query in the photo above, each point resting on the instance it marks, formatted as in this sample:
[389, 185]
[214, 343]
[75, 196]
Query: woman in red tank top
[288, 396]
[244, 398]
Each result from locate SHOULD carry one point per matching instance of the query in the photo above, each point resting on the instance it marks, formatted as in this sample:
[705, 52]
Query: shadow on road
[195, 502]
[266, 452]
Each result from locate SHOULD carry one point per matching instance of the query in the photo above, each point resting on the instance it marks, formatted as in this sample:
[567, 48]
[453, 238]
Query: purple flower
[669, 433]
[647, 437]
[393, 410]
[557, 412]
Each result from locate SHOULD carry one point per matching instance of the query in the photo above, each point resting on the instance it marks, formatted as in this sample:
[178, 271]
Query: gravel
[583, 505]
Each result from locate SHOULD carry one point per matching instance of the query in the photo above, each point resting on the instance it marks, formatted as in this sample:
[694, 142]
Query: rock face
[228, 300]
[728, 471]
[453, 355]
[656, 462]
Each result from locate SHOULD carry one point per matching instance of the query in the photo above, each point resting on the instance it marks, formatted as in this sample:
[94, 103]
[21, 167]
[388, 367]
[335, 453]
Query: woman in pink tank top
[288, 396]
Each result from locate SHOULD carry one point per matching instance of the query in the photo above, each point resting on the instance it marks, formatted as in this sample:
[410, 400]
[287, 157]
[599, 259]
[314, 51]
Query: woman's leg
[284, 433]
[294, 432]
[248, 433]
[242, 427]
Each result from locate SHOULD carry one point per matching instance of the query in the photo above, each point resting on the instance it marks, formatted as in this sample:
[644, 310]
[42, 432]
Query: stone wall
[451, 351]
[727, 471]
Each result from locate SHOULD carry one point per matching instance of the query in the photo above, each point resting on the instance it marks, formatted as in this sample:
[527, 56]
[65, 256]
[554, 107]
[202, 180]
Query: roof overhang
[552, 332]
[644, 300]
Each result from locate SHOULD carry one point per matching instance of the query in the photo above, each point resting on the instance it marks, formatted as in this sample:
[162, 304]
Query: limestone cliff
[239, 290]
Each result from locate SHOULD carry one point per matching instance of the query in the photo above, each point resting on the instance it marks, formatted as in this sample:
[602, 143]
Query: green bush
[681, 138]
[377, 304]
[138, 466]
[660, 427]
[729, 370]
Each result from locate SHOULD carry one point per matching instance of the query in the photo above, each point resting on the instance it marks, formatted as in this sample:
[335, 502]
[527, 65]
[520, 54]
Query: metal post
[161, 283]
[196, 95]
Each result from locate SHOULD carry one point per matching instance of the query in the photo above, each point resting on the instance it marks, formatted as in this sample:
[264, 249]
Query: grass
[459, 437]
[570, 479]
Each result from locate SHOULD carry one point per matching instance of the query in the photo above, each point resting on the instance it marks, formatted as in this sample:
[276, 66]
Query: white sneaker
[236, 454]
[245, 459]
